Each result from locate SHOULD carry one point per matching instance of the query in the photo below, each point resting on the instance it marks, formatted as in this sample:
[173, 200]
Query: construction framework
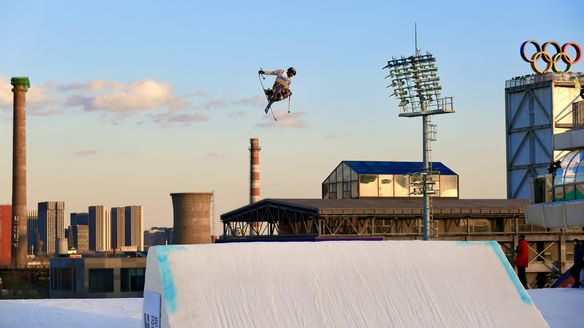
[402, 219]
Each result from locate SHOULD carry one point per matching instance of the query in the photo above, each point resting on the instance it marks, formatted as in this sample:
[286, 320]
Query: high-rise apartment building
[134, 229]
[51, 226]
[79, 238]
[118, 227]
[5, 234]
[33, 232]
[99, 229]
[79, 232]
[79, 218]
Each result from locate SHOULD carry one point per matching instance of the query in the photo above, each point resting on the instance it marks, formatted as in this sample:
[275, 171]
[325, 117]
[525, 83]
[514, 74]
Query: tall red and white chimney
[254, 170]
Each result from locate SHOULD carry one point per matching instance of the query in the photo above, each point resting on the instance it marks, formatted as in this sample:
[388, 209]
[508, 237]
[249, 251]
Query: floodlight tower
[415, 82]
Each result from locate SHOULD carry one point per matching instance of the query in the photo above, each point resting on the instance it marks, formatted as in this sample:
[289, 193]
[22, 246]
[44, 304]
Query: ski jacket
[281, 77]
[522, 255]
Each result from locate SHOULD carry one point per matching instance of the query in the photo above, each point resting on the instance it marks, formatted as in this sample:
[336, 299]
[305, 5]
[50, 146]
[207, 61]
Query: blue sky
[133, 100]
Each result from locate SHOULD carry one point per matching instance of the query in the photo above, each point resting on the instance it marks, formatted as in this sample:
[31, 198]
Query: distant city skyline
[164, 99]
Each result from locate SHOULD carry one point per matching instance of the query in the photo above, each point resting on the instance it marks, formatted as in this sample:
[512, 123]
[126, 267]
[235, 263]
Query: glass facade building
[363, 179]
[569, 177]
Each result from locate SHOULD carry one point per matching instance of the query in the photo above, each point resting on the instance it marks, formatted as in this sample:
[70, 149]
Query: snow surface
[71, 313]
[339, 284]
[561, 307]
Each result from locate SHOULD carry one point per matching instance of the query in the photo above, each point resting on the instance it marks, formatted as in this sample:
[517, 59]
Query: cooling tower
[19, 214]
[192, 217]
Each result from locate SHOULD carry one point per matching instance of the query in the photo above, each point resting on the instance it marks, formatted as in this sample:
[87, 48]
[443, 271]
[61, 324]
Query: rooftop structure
[360, 179]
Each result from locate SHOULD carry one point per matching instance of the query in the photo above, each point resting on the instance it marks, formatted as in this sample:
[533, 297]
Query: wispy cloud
[172, 118]
[213, 103]
[285, 120]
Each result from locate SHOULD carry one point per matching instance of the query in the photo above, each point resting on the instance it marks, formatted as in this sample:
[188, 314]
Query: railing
[529, 79]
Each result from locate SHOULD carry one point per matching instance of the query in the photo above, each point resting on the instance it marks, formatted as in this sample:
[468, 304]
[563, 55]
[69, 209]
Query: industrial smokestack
[254, 170]
[19, 218]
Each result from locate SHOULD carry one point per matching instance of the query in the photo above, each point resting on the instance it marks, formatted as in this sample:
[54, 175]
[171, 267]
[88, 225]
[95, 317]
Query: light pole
[415, 83]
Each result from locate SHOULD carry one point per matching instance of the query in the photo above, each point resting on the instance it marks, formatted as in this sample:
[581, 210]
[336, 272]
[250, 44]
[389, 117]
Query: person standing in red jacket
[522, 260]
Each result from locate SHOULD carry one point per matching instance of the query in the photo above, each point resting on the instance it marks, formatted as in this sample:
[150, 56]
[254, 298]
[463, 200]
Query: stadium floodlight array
[416, 84]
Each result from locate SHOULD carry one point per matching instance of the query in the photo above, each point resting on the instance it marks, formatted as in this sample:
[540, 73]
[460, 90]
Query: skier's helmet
[291, 71]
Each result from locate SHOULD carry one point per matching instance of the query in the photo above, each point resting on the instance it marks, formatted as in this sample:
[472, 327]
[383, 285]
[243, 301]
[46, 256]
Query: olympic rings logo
[551, 61]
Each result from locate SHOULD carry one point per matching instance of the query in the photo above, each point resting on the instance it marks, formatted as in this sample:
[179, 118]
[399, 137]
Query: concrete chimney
[19, 218]
[254, 170]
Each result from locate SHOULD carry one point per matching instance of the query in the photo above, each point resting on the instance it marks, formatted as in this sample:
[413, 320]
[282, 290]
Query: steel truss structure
[394, 219]
[536, 108]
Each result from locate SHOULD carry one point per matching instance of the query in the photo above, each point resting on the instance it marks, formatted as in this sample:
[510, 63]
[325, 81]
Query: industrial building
[97, 277]
[361, 179]
[557, 190]
[545, 143]
[51, 226]
[539, 110]
[5, 234]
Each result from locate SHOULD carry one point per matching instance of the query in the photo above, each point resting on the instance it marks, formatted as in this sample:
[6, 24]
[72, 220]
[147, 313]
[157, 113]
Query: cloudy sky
[133, 100]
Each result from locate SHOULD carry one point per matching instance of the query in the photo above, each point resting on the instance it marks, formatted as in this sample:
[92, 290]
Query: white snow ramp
[336, 284]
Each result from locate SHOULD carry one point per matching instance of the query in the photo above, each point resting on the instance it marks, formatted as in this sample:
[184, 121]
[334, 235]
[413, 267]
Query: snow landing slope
[339, 284]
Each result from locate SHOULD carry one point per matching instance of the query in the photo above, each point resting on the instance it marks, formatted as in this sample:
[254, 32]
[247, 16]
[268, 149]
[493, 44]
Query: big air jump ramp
[335, 284]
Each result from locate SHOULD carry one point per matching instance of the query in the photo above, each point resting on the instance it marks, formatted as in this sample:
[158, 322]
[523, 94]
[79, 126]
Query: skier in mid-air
[281, 88]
